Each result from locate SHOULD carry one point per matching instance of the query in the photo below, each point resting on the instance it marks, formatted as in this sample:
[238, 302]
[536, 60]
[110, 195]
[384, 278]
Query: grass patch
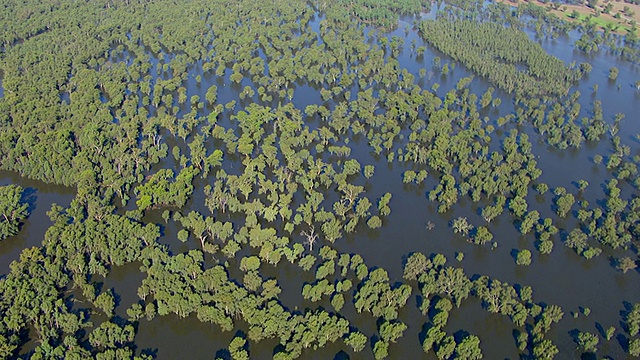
[615, 26]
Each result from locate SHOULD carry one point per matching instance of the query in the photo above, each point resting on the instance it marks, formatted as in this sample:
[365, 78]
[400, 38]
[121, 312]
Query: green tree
[634, 347]
[529, 221]
[564, 203]
[106, 303]
[356, 340]
[625, 264]
[632, 320]
[518, 206]
[237, 348]
[460, 225]
[446, 348]
[390, 332]
[469, 348]
[523, 257]
[374, 222]
[454, 283]
[416, 264]
[613, 73]
[482, 236]
[13, 209]
[380, 350]
[577, 240]
[588, 341]
[545, 349]
[368, 171]
[337, 301]
[545, 246]
[609, 333]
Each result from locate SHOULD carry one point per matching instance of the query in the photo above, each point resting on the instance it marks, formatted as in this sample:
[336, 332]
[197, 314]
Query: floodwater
[561, 278]
[40, 196]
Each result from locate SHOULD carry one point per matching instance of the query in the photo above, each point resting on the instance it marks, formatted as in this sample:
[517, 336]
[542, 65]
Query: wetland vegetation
[287, 179]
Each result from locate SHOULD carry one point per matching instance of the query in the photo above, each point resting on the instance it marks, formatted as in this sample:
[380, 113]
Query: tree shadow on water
[341, 356]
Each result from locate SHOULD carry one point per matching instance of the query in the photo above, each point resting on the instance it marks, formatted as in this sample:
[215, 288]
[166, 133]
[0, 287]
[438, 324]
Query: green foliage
[251, 263]
[625, 264]
[609, 332]
[307, 262]
[522, 340]
[356, 340]
[588, 341]
[383, 13]
[183, 235]
[164, 190]
[446, 348]
[482, 236]
[518, 206]
[416, 264]
[460, 225]
[376, 296]
[351, 167]
[545, 349]
[564, 203]
[383, 205]
[475, 42]
[325, 269]
[315, 292]
[110, 335]
[13, 210]
[390, 332]
[498, 297]
[380, 350]
[577, 240]
[523, 257]
[337, 301]
[237, 348]
[106, 303]
[368, 171]
[374, 222]
[454, 283]
[528, 222]
[469, 348]
[542, 188]
[634, 347]
[632, 320]
[545, 246]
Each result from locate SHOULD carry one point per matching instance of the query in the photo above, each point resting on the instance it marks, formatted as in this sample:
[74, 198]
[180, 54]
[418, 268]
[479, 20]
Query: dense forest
[218, 147]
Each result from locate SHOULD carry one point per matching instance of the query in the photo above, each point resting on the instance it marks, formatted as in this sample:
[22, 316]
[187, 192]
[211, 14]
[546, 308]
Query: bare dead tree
[311, 236]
